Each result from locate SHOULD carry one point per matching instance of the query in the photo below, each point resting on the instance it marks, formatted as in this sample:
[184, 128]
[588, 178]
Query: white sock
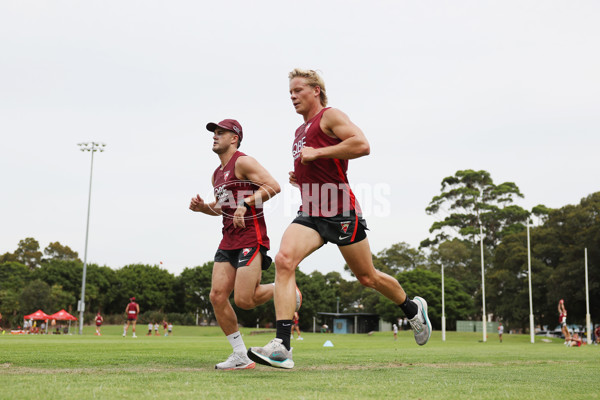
[236, 341]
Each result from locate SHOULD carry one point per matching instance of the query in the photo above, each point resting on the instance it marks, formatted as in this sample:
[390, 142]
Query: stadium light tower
[92, 147]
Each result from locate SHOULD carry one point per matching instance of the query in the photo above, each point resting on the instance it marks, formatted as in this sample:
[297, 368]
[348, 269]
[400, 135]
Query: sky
[510, 87]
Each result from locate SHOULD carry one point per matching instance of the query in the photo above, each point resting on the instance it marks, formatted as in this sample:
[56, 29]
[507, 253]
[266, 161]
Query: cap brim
[211, 126]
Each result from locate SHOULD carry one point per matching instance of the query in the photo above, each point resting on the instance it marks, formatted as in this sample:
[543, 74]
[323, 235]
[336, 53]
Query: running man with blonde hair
[322, 146]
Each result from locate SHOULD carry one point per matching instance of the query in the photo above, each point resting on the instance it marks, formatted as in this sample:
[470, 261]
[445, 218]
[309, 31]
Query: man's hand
[197, 204]
[308, 154]
[238, 217]
[293, 179]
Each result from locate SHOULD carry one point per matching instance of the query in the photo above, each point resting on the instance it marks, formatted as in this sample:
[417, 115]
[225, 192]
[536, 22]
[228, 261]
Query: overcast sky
[510, 87]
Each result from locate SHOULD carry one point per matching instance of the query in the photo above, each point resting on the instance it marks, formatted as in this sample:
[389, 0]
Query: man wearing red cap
[132, 310]
[322, 146]
[241, 185]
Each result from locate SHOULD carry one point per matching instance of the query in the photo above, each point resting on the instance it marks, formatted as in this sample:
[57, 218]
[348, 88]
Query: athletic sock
[284, 331]
[236, 341]
[410, 308]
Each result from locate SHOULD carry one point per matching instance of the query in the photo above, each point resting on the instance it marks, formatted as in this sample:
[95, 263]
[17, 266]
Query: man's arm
[337, 124]
[248, 168]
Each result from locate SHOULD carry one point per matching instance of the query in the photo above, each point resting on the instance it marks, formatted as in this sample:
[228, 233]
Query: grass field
[357, 367]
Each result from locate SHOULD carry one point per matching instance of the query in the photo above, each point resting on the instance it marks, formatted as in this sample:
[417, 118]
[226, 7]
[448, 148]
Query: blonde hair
[313, 79]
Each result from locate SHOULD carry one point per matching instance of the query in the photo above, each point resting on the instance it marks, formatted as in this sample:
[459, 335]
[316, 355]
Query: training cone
[328, 344]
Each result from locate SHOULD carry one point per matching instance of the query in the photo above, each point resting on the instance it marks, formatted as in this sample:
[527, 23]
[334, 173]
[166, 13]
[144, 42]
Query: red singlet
[323, 182]
[230, 192]
[132, 310]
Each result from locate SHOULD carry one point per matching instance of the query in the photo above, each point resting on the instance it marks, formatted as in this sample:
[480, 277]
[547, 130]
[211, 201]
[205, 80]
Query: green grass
[357, 367]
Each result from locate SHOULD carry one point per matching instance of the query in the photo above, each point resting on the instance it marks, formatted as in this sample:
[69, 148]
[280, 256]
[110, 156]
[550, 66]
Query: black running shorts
[340, 229]
[243, 257]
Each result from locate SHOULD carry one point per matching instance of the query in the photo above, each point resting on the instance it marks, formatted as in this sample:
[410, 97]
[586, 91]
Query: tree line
[469, 202]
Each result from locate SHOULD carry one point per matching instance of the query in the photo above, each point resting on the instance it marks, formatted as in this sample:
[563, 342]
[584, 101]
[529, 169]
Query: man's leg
[297, 243]
[360, 261]
[223, 280]
[248, 292]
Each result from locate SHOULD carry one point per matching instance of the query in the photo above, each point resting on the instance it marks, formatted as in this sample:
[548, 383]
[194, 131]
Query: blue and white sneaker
[274, 354]
[420, 323]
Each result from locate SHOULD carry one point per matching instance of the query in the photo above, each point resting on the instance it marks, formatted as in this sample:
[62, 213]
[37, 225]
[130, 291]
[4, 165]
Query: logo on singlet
[297, 148]
[231, 194]
[226, 174]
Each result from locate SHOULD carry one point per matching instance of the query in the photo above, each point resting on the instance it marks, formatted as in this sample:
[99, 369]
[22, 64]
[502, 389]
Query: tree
[461, 260]
[35, 296]
[567, 232]
[66, 273]
[557, 252]
[508, 283]
[57, 251]
[152, 287]
[401, 257]
[59, 299]
[472, 199]
[13, 278]
[29, 253]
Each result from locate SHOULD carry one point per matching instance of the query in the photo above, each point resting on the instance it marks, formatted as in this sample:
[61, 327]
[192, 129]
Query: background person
[132, 310]
[296, 327]
[562, 319]
[99, 321]
[500, 331]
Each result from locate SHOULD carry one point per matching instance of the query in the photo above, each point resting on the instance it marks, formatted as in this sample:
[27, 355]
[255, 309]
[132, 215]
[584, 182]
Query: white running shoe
[134, 336]
[420, 323]
[273, 354]
[236, 360]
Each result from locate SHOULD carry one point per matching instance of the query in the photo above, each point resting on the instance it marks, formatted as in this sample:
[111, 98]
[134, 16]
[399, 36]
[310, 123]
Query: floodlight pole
[588, 320]
[531, 327]
[443, 309]
[483, 286]
[92, 147]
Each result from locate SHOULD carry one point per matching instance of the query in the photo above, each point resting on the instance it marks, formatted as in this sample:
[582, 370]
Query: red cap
[229, 125]
[132, 299]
